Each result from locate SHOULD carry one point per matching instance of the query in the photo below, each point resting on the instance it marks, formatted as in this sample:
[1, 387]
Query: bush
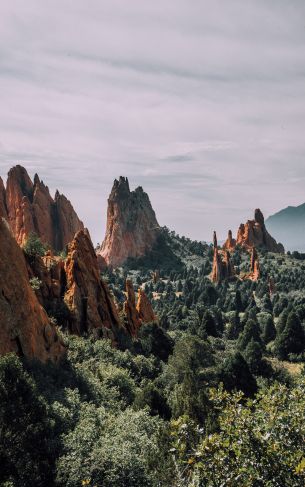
[34, 247]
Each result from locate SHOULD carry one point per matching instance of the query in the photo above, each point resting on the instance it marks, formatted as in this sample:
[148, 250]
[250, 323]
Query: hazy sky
[200, 102]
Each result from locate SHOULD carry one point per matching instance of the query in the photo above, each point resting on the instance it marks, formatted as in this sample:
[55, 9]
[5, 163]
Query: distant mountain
[288, 227]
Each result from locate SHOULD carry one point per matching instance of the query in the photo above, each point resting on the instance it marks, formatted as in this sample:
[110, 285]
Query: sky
[201, 102]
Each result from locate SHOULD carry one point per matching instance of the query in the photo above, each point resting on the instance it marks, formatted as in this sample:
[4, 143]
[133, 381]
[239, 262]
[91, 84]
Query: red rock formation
[137, 312]
[144, 308]
[254, 234]
[31, 209]
[130, 310]
[49, 269]
[132, 227]
[67, 221]
[25, 327]
[222, 266]
[254, 265]
[87, 295]
[230, 243]
[3, 210]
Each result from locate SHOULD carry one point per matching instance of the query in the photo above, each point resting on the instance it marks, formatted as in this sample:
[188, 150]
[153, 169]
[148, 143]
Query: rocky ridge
[29, 208]
[254, 234]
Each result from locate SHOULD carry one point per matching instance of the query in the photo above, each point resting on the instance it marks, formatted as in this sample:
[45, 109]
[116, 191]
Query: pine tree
[250, 332]
[291, 340]
[269, 331]
[235, 374]
[253, 356]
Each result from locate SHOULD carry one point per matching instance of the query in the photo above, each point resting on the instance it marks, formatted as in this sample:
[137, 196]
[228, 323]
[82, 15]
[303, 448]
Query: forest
[210, 395]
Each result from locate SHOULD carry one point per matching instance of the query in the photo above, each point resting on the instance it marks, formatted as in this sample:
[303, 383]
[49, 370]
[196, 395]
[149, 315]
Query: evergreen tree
[253, 356]
[235, 374]
[250, 332]
[291, 339]
[209, 324]
[269, 331]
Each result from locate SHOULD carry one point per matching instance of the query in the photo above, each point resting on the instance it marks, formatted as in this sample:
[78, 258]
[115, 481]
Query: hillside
[288, 226]
[151, 371]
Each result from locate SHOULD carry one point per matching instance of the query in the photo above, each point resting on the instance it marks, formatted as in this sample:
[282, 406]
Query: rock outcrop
[130, 310]
[24, 325]
[144, 308]
[222, 265]
[254, 234]
[254, 266]
[230, 243]
[87, 296]
[3, 210]
[50, 272]
[137, 311]
[132, 227]
[31, 209]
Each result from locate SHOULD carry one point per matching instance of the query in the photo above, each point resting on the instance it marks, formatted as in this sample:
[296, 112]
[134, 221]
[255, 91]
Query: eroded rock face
[31, 209]
[137, 311]
[132, 227]
[3, 210]
[130, 310]
[50, 272]
[87, 295]
[24, 325]
[254, 265]
[254, 234]
[222, 265]
[144, 308]
[230, 243]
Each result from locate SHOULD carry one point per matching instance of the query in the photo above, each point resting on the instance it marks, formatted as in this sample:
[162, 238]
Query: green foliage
[152, 397]
[110, 450]
[185, 376]
[35, 283]
[33, 247]
[154, 340]
[26, 455]
[269, 330]
[235, 375]
[259, 443]
[291, 339]
[250, 332]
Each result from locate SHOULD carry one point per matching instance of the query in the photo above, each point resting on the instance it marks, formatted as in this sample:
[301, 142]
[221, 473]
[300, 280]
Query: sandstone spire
[230, 243]
[137, 312]
[222, 266]
[132, 227]
[87, 295]
[144, 308]
[254, 265]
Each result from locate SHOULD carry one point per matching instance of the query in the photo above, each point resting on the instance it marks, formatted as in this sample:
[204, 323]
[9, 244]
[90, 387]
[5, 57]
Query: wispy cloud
[202, 103]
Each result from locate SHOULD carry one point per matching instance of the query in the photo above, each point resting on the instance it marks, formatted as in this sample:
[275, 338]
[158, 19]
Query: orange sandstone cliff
[87, 296]
[137, 311]
[29, 208]
[254, 234]
[132, 227]
[24, 325]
